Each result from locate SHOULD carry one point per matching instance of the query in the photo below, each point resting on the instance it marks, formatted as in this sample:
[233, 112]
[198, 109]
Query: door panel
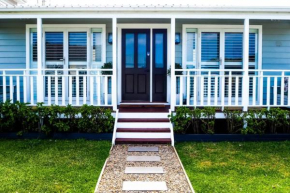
[159, 65]
[135, 64]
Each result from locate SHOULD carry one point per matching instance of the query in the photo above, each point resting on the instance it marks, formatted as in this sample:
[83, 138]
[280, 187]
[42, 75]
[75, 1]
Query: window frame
[223, 29]
[66, 28]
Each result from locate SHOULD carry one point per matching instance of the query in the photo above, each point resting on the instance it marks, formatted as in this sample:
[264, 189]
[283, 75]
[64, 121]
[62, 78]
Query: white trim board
[202, 14]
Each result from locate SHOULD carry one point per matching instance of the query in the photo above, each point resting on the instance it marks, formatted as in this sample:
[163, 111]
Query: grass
[237, 167]
[51, 165]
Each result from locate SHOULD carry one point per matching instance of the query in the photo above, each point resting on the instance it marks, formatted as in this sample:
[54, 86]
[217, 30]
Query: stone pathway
[143, 168]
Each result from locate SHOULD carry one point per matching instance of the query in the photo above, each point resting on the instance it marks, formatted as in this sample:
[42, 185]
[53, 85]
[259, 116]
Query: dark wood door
[159, 65]
[136, 64]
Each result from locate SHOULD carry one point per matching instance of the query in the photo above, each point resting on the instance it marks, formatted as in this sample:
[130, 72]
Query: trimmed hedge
[202, 121]
[19, 117]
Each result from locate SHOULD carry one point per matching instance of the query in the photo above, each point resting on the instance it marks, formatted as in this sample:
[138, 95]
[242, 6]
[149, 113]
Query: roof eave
[147, 9]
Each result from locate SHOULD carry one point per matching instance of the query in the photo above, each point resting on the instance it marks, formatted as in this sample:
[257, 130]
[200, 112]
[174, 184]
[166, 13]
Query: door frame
[119, 55]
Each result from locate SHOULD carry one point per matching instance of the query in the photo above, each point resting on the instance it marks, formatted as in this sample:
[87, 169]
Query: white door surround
[119, 54]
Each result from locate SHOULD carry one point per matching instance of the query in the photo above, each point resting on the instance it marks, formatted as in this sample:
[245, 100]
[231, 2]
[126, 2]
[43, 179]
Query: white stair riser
[142, 135]
[144, 115]
[143, 125]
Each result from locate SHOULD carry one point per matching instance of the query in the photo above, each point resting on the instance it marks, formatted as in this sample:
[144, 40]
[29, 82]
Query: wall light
[177, 38]
[110, 38]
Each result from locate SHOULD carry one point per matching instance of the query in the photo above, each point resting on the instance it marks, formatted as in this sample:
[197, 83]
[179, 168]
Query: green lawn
[51, 165]
[237, 167]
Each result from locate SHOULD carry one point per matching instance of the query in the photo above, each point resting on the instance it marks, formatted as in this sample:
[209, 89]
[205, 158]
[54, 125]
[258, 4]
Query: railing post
[40, 85]
[172, 62]
[246, 86]
[114, 76]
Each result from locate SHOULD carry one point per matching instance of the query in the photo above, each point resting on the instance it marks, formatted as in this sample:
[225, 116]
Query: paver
[144, 186]
[143, 159]
[144, 170]
[143, 149]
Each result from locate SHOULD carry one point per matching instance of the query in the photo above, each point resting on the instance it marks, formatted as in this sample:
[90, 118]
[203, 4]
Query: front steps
[139, 124]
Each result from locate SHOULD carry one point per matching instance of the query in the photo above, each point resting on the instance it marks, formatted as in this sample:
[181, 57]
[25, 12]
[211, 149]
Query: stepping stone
[143, 149]
[144, 186]
[144, 170]
[143, 159]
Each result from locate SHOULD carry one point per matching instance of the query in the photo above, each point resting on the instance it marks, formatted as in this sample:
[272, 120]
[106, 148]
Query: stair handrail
[171, 130]
[115, 127]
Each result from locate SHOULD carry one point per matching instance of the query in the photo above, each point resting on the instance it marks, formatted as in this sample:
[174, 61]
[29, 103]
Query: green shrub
[19, 117]
[234, 120]
[107, 65]
[185, 117]
[95, 119]
[181, 120]
[256, 124]
[208, 120]
[195, 115]
[276, 118]
[71, 116]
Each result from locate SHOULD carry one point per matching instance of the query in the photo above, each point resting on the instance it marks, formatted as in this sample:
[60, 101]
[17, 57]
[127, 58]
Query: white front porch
[84, 82]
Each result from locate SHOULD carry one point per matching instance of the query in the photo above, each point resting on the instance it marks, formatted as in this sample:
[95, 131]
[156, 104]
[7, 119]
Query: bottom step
[143, 140]
[144, 186]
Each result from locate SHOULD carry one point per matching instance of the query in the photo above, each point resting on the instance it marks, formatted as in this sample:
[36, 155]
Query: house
[171, 55]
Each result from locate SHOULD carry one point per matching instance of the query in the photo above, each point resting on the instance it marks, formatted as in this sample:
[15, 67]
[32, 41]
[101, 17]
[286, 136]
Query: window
[97, 47]
[129, 58]
[34, 46]
[252, 47]
[190, 46]
[233, 47]
[77, 46]
[142, 50]
[210, 46]
[159, 55]
[53, 46]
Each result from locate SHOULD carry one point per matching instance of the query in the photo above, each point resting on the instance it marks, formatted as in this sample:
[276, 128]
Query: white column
[245, 93]
[172, 62]
[114, 60]
[40, 86]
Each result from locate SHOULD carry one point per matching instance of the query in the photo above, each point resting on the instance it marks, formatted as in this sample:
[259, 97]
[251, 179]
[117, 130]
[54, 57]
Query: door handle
[148, 53]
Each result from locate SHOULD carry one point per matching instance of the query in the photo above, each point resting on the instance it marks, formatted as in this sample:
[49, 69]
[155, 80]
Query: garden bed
[88, 136]
[230, 137]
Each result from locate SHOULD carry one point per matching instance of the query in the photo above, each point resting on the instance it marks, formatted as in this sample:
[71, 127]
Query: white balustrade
[61, 86]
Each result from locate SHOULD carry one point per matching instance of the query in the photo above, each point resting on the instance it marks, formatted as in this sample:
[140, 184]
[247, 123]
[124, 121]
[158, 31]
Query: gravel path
[113, 176]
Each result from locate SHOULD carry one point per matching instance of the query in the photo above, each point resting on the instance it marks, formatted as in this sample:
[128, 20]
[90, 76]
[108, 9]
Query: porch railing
[226, 88]
[61, 86]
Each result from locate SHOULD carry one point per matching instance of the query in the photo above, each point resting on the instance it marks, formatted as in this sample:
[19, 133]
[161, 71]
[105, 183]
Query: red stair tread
[142, 120]
[142, 140]
[157, 130]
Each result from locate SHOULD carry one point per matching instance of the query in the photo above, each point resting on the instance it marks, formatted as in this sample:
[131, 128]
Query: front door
[136, 64]
[159, 65]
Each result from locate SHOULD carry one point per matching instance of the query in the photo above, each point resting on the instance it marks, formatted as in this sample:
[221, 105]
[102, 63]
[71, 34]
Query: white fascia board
[147, 9]
[136, 15]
